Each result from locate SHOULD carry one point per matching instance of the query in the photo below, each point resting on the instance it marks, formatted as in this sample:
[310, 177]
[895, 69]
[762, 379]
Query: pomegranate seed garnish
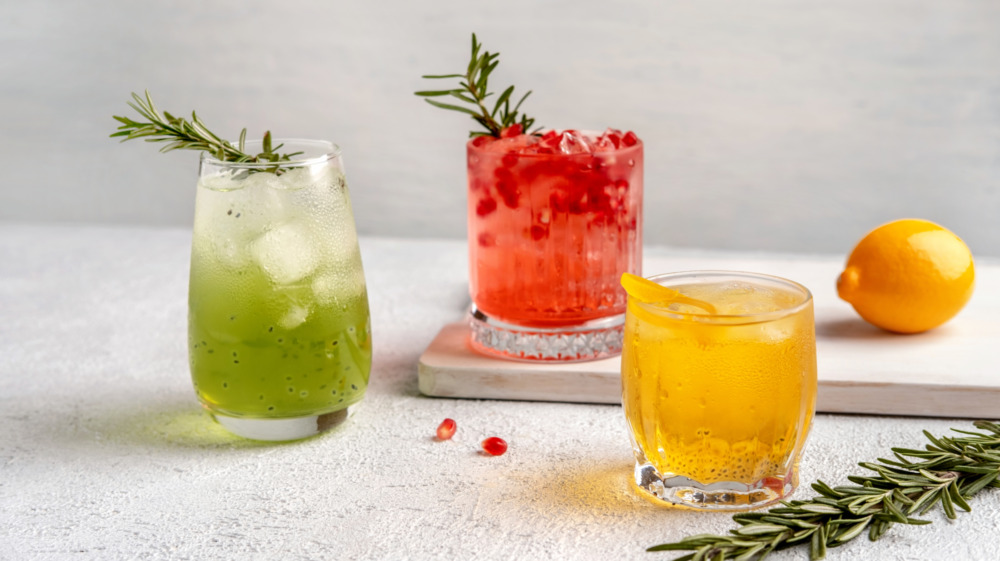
[480, 140]
[446, 429]
[630, 139]
[495, 446]
[512, 131]
[539, 232]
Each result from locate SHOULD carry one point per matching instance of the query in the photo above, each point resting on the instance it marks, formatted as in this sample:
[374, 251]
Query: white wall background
[769, 125]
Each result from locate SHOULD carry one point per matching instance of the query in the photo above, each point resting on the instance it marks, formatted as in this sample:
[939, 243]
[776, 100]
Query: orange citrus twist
[908, 276]
[649, 292]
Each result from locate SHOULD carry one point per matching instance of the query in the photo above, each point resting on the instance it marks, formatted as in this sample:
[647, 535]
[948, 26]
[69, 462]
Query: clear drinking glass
[719, 404]
[278, 321]
[554, 220]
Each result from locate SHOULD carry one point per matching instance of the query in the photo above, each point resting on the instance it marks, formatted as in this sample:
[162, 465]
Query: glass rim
[617, 151]
[729, 319]
[326, 149]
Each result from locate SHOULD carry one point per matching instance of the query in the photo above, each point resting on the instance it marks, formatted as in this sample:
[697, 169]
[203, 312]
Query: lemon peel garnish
[649, 292]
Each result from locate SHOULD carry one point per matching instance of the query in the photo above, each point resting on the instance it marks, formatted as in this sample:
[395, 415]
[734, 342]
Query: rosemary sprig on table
[474, 89]
[191, 135]
[948, 473]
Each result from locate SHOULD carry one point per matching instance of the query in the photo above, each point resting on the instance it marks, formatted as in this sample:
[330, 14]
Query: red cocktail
[554, 220]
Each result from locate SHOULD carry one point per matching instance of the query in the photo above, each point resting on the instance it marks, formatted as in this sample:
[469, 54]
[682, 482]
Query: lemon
[908, 276]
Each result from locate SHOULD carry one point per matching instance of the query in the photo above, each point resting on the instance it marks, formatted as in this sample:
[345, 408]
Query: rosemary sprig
[947, 473]
[192, 135]
[473, 90]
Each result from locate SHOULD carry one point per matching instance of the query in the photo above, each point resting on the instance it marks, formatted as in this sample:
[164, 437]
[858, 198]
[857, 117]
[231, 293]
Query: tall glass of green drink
[279, 328]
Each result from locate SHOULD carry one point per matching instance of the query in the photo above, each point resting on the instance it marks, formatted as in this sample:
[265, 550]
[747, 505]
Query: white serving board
[952, 371]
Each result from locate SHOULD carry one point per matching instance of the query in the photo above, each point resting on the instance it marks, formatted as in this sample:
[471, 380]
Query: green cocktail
[278, 311]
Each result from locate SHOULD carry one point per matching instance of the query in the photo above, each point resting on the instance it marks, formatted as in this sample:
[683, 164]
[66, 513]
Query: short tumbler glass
[719, 404]
[279, 329]
[550, 233]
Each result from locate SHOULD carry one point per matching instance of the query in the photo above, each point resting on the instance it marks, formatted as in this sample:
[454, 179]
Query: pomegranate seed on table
[446, 429]
[495, 446]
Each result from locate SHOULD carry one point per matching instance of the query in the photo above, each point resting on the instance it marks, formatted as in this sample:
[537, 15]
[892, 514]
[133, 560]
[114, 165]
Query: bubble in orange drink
[718, 387]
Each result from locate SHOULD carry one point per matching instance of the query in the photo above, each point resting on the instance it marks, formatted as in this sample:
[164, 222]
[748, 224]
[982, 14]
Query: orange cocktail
[719, 391]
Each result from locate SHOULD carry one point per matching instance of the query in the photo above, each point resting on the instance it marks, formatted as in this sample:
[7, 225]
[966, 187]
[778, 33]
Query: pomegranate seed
[446, 429]
[512, 131]
[630, 139]
[508, 192]
[495, 446]
[558, 200]
[539, 232]
[486, 206]
[509, 159]
[480, 140]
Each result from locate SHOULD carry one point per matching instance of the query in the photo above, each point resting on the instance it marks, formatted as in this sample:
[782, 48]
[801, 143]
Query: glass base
[277, 430]
[593, 340]
[676, 490]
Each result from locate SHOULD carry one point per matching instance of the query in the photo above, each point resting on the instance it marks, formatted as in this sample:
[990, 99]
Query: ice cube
[338, 286]
[516, 144]
[286, 253]
[230, 252]
[295, 316]
[327, 287]
[610, 140]
[241, 212]
[573, 142]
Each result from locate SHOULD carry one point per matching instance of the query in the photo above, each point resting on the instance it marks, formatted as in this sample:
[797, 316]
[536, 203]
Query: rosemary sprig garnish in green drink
[191, 135]
[473, 90]
[948, 473]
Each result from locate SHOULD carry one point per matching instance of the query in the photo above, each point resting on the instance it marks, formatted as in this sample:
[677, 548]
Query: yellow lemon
[908, 276]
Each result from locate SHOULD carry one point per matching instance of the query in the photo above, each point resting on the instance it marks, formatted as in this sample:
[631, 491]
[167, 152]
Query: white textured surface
[774, 124]
[105, 455]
